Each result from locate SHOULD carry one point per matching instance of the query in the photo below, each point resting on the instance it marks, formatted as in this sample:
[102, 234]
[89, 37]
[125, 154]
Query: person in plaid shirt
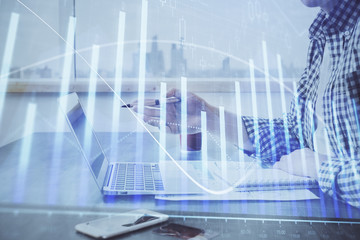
[291, 143]
[336, 28]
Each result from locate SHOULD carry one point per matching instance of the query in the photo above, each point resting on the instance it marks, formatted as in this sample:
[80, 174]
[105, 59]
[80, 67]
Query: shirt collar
[343, 17]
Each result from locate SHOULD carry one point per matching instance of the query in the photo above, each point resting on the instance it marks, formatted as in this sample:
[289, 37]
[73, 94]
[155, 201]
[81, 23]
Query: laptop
[133, 178]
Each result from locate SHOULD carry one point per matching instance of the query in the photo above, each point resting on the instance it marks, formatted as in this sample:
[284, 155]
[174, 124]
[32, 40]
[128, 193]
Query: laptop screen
[85, 136]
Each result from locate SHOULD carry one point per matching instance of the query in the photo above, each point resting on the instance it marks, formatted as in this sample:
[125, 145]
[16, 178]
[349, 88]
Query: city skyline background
[192, 38]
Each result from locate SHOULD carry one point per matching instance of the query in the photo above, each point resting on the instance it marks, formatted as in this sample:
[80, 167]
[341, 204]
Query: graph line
[139, 120]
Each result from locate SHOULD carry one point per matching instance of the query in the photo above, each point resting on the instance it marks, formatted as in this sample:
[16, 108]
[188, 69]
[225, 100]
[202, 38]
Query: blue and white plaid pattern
[340, 176]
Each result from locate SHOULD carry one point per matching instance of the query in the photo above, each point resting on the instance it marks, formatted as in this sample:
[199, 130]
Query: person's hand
[301, 162]
[195, 105]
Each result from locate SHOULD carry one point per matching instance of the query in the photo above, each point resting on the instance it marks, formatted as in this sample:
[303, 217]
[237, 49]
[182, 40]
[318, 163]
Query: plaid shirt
[340, 176]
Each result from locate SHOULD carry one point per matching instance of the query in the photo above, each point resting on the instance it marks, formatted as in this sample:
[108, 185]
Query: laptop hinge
[107, 176]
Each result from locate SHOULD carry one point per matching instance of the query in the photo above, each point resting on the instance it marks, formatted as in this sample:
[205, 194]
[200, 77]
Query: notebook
[256, 178]
[250, 176]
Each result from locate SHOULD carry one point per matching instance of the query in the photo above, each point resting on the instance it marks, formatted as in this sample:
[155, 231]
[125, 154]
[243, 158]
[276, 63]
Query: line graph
[143, 42]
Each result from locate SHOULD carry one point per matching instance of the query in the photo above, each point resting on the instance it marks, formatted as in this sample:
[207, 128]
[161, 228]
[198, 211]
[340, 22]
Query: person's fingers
[148, 111]
[152, 121]
[282, 164]
[279, 165]
[134, 103]
[173, 93]
[285, 158]
[146, 103]
[152, 111]
[276, 165]
[135, 108]
[169, 130]
[173, 128]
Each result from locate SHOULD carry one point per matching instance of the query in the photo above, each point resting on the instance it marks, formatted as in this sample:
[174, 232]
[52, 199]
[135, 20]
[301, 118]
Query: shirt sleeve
[271, 138]
[340, 178]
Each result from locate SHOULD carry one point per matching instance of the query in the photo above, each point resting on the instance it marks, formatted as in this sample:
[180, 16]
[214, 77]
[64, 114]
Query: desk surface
[46, 170]
[55, 173]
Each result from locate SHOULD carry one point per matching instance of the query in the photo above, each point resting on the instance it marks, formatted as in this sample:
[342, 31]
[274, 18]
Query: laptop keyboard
[136, 177]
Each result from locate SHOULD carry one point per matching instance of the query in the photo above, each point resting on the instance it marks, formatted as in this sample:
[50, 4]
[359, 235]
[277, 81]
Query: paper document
[251, 177]
[280, 195]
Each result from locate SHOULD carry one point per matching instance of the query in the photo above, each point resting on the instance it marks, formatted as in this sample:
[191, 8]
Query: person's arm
[270, 139]
[195, 105]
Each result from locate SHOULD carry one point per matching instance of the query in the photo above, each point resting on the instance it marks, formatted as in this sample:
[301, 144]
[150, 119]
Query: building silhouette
[155, 60]
[178, 62]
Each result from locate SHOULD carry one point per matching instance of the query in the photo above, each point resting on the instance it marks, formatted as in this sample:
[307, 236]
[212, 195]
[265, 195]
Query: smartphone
[125, 222]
